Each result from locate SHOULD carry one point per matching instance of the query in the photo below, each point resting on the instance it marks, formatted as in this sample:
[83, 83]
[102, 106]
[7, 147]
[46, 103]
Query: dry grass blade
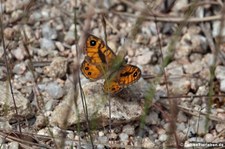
[171, 19]
[9, 72]
[76, 75]
[24, 140]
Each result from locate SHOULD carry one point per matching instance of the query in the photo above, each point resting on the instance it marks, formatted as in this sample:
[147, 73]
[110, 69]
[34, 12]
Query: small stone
[45, 12]
[216, 31]
[222, 85]
[181, 126]
[103, 139]
[4, 124]
[208, 60]
[181, 117]
[123, 137]
[29, 77]
[100, 146]
[42, 87]
[145, 58]
[101, 133]
[12, 5]
[41, 121]
[205, 73]
[2, 9]
[220, 127]
[128, 129]
[24, 107]
[163, 131]
[175, 71]
[142, 39]
[112, 136]
[19, 53]
[152, 118]
[13, 145]
[195, 56]
[16, 15]
[50, 104]
[221, 116]
[57, 68]
[60, 46]
[70, 134]
[54, 90]
[44, 132]
[202, 123]
[194, 67]
[112, 45]
[196, 101]
[180, 87]
[181, 51]
[35, 17]
[130, 51]
[147, 143]
[220, 72]
[69, 38]
[180, 5]
[74, 50]
[9, 33]
[1, 51]
[42, 53]
[47, 44]
[163, 137]
[209, 137]
[19, 68]
[199, 43]
[49, 32]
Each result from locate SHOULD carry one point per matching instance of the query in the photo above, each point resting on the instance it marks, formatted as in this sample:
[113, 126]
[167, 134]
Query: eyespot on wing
[90, 71]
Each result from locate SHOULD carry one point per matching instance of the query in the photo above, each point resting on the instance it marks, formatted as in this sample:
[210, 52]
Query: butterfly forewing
[97, 52]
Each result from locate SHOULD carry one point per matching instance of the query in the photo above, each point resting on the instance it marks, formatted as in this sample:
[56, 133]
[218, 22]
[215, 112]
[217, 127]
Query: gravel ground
[179, 99]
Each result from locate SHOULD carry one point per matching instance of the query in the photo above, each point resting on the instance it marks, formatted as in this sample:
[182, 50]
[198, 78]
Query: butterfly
[100, 62]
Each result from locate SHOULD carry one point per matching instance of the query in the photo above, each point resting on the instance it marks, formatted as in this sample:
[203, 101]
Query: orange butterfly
[100, 60]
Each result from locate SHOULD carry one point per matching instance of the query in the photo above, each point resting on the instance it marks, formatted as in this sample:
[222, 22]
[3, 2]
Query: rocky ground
[179, 47]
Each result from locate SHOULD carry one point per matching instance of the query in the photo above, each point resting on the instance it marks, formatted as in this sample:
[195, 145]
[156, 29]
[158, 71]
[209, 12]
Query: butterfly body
[99, 61]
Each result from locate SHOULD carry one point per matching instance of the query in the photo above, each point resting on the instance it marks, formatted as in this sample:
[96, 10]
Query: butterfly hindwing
[91, 71]
[126, 75]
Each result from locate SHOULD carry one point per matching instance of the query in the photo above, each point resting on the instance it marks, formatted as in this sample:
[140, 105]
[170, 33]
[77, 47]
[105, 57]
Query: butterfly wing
[91, 71]
[126, 75]
[112, 86]
[98, 58]
[97, 52]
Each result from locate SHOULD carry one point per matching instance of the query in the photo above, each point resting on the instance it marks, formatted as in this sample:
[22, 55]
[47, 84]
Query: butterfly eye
[93, 43]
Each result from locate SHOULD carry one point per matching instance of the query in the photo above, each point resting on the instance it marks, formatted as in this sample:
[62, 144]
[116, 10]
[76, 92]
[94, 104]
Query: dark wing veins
[101, 55]
[125, 74]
